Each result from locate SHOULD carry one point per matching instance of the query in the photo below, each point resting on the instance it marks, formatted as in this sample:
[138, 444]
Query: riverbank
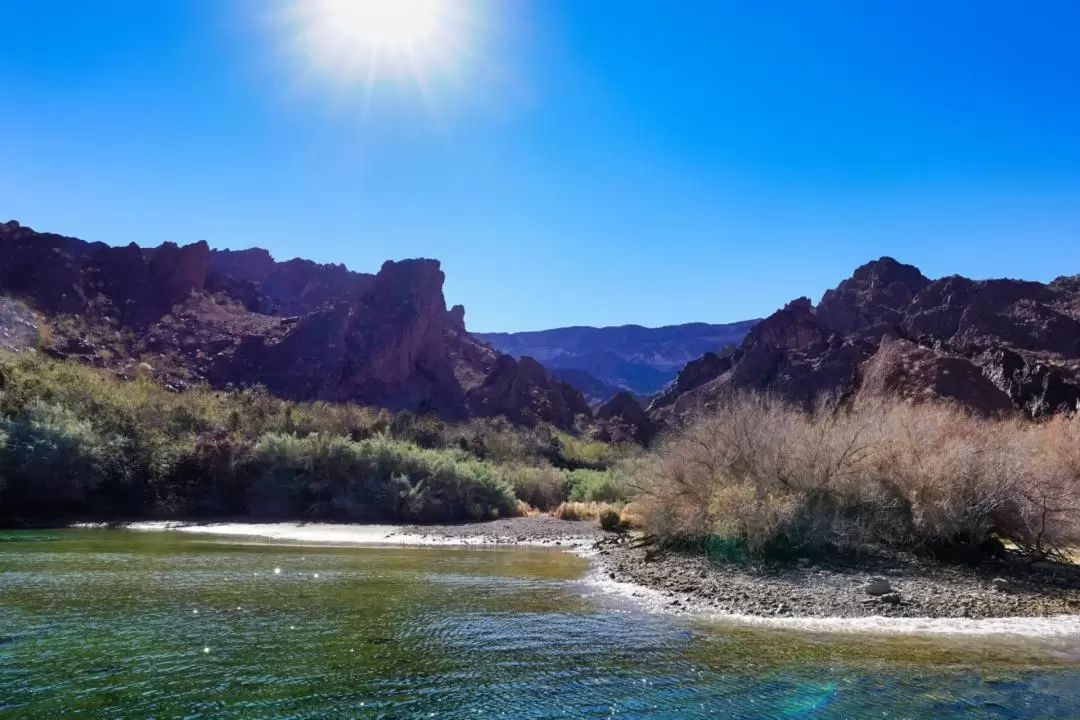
[902, 587]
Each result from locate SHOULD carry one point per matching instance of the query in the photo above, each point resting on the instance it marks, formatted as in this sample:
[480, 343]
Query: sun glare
[363, 41]
[391, 24]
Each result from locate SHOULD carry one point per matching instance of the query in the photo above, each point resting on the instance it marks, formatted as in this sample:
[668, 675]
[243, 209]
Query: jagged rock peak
[456, 318]
[794, 326]
[875, 296]
[885, 271]
[988, 345]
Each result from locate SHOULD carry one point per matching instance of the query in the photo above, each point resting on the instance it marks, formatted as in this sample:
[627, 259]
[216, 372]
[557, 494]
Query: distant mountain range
[602, 361]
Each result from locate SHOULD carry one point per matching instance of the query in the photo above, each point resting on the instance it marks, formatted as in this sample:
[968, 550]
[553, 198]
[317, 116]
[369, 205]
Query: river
[111, 623]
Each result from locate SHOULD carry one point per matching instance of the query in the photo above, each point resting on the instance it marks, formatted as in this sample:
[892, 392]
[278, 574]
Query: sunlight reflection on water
[182, 628]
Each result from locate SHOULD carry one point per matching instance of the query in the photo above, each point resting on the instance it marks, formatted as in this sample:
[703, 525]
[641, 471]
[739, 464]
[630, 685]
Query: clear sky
[569, 161]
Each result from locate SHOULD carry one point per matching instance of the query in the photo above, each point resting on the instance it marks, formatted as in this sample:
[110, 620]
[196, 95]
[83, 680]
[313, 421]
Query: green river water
[122, 624]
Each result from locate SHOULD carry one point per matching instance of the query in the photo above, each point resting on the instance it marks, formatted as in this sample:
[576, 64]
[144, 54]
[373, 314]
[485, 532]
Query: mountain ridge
[188, 314]
[636, 358]
[998, 346]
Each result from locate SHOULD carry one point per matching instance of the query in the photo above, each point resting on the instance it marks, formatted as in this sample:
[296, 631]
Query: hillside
[189, 315]
[639, 359]
[990, 346]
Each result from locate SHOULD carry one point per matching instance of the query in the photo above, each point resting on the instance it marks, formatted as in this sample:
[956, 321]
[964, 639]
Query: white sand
[341, 534]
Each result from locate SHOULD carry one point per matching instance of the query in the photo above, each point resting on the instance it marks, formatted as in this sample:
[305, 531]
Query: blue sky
[588, 162]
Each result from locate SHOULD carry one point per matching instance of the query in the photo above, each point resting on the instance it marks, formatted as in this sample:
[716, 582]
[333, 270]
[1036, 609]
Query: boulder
[876, 587]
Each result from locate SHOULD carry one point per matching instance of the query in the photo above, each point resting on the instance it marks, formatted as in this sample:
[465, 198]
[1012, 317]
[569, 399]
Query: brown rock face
[456, 318]
[920, 374]
[622, 420]
[1037, 388]
[875, 295]
[61, 275]
[396, 345]
[524, 393]
[180, 271]
[302, 330]
[990, 345]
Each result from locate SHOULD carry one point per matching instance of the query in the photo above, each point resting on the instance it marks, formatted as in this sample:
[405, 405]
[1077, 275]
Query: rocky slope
[603, 361]
[239, 318]
[993, 346]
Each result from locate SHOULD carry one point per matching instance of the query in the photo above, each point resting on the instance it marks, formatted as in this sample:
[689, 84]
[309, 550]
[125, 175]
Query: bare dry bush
[581, 510]
[880, 474]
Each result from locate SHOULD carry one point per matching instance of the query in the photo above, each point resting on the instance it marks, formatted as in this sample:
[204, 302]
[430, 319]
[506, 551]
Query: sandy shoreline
[533, 532]
[812, 598]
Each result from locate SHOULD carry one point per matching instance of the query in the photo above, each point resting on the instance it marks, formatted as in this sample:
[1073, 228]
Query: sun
[393, 25]
[404, 24]
[366, 41]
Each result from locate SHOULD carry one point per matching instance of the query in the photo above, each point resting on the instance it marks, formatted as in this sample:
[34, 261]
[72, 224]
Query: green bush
[543, 488]
[593, 486]
[76, 441]
[54, 463]
[378, 478]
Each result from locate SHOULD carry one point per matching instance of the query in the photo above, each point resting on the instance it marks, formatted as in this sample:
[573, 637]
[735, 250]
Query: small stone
[892, 598]
[803, 562]
[1000, 584]
[877, 587]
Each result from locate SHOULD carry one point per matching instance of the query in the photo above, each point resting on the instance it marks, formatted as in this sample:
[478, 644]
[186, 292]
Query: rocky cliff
[992, 346]
[239, 318]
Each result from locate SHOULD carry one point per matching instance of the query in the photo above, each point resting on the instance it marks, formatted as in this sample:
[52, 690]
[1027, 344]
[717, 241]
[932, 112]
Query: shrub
[775, 480]
[593, 486]
[579, 510]
[379, 478]
[53, 462]
[610, 519]
[543, 488]
[77, 441]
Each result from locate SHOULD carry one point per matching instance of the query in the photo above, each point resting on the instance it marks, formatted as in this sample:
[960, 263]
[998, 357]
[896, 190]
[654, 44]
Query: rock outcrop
[302, 330]
[992, 346]
[902, 368]
[524, 392]
[622, 420]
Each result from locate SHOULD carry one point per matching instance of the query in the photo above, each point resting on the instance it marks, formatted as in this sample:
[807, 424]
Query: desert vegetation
[759, 478]
[76, 442]
[753, 478]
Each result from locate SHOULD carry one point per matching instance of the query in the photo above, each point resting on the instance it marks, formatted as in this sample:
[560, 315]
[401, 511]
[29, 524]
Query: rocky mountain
[239, 318]
[604, 361]
[993, 346]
